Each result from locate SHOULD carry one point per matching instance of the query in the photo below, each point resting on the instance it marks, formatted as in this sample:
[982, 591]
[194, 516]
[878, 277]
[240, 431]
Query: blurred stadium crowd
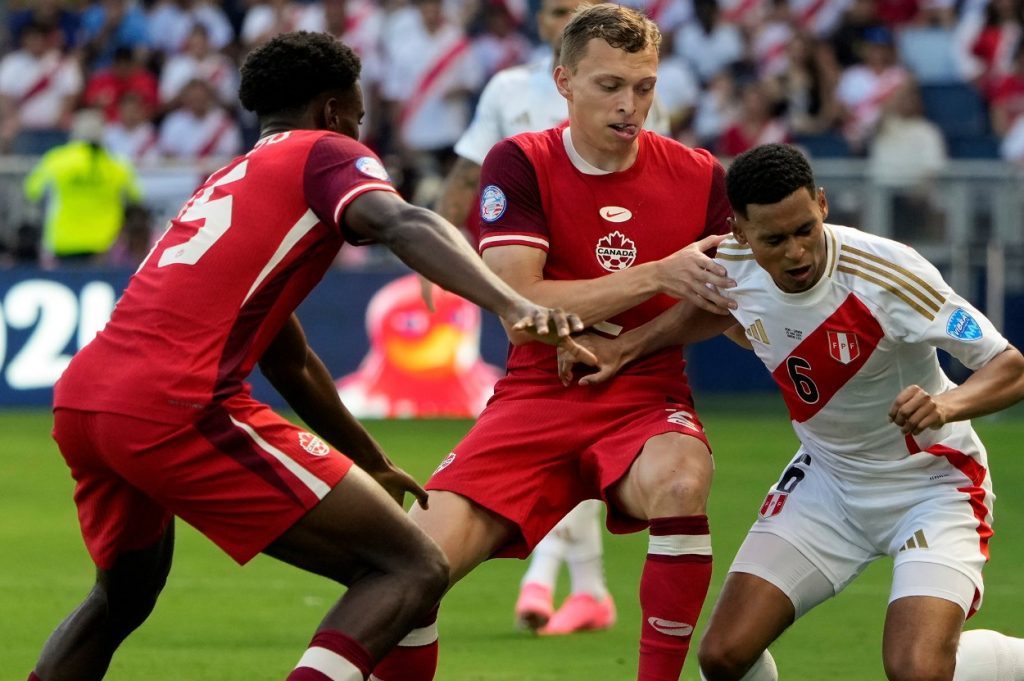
[907, 84]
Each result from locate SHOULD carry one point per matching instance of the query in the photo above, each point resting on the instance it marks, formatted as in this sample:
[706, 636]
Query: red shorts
[532, 460]
[240, 474]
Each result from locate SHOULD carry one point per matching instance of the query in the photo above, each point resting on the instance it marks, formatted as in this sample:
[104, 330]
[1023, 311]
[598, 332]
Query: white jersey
[843, 350]
[524, 99]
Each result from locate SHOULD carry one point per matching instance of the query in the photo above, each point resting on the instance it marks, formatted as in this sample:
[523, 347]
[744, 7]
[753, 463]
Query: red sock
[333, 656]
[415, 657]
[672, 591]
[32, 677]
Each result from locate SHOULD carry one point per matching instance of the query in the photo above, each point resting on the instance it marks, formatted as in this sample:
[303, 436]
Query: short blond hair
[621, 27]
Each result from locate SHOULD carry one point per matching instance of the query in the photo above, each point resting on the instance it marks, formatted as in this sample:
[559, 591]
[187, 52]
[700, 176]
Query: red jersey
[593, 225]
[243, 252]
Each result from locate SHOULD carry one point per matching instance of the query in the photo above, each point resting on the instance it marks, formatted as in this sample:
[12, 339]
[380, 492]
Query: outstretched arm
[434, 248]
[298, 374]
[995, 386]
[681, 324]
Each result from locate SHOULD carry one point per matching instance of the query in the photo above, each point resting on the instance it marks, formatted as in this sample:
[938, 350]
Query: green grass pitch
[220, 622]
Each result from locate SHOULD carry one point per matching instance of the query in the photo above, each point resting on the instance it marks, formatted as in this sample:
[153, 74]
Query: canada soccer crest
[843, 346]
[314, 445]
[773, 504]
[615, 252]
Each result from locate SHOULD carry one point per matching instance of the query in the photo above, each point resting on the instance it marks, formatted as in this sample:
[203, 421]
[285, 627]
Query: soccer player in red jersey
[155, 420]
[610, 220]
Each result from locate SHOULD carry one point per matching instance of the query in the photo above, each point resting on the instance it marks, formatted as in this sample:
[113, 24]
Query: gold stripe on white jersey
[743, 251]
[888, 286]
[833, 250]
[855, 266]
[936, 298]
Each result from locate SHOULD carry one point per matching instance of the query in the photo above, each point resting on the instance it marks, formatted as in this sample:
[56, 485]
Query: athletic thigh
[651, 446]
[807, 508]
[356, 528]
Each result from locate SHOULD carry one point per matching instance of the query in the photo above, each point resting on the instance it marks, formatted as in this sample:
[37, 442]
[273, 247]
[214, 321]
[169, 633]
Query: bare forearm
[594, 300]
[435, 249]
[681, 324]
[995, 386]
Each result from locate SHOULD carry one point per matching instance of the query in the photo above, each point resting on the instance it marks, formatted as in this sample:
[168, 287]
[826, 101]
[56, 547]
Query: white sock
[763, 670]
[986, 655]
[546, 560]
[584, 551]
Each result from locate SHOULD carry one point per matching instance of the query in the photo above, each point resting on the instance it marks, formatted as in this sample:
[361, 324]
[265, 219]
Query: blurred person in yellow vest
[87, 190]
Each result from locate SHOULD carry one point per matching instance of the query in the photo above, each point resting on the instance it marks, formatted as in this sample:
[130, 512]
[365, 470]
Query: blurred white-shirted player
[889, 465]
[524, 99]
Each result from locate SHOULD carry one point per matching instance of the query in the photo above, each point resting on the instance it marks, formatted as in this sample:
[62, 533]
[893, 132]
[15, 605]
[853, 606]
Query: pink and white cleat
[534, 606]
[581, 612]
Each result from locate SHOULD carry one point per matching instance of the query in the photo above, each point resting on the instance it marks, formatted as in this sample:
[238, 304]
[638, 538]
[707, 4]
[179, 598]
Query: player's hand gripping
[689, 274]
[397, 482]
[607, 353]
[552, 326]
[914, 410]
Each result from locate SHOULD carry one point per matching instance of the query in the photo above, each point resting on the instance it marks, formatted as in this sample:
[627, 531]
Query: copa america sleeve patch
[371, 167]
[492, 203]
[962, 326]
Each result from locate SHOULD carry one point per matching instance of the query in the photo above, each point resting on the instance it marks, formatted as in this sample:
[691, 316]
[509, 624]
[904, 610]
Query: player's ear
[737, 233]
[822, 202]
[561, 77]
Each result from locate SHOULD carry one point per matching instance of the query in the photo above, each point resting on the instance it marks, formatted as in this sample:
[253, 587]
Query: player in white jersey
[889, 464]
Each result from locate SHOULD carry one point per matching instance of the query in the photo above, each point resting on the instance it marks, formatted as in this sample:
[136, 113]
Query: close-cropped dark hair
[767, 174]
[292, 69]
[621, 27]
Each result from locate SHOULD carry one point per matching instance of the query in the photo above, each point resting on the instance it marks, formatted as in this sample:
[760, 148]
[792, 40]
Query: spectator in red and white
[757, 122]
[200, 128]
[708, 43]
[500, 44]
[104, 88]
[864, 88]
[268, 18]
[807, 87]
[39, 86]
[986, 41]
[171, 23]
[820, 18]
[199, 61]
[133, 135]
[769, 42]
[430, 76]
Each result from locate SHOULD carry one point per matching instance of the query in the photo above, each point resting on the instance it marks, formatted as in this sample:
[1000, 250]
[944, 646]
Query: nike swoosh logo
[615, 213]
[670, 628]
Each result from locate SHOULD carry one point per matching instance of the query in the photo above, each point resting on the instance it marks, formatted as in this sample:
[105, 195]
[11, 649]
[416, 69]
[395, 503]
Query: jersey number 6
[799, 372]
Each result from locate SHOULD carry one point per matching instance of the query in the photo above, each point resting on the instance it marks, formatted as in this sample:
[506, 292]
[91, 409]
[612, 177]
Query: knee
[720, 661]
[427, 573]
[684, 493]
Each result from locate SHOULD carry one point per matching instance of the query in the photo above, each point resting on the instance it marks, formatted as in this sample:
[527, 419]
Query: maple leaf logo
[615, 251]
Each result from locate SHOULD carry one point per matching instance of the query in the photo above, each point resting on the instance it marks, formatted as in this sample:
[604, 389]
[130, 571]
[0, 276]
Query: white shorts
[840, 516]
